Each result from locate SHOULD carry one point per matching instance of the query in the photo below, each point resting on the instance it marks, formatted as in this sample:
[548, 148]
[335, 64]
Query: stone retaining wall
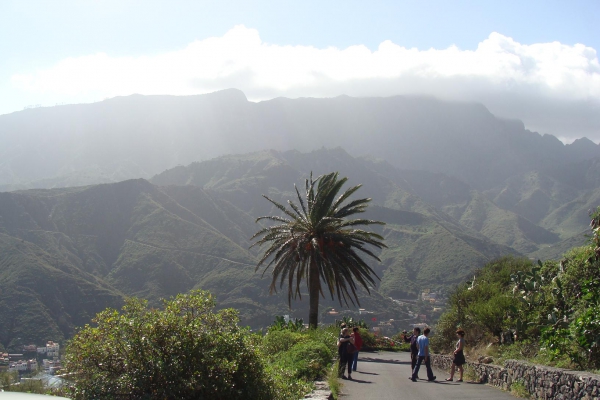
[540, 381]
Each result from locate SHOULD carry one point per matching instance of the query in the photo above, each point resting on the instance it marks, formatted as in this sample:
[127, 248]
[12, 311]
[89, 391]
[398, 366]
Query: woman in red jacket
[358, 342]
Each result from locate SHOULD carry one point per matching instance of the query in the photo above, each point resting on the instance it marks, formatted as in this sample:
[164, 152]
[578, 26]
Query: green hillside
[413, 226]
[568, 219]
[427, 253]
[557, 250]
[67, 253]
[43, 293]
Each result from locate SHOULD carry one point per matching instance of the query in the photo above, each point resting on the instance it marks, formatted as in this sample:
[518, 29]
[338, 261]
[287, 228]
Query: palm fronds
[315, 237]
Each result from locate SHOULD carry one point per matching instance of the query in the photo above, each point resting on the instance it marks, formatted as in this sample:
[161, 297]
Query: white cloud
[552, 87]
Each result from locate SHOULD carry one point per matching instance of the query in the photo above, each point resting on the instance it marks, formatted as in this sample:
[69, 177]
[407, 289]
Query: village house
[51, 366]
[429, 296]
[23, 366]
[51, 350]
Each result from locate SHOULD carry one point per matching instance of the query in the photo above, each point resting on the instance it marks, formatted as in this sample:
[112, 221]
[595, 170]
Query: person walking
[414, 349]
[423, 344]
[459, 356]
[358, 342]
[345, 359]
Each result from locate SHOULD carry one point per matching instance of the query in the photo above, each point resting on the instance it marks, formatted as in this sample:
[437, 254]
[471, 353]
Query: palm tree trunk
[313, 294]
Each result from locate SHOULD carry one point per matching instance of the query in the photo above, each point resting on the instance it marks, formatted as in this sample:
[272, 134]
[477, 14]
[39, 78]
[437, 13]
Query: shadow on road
[366, 373]
[358, 380]
[437, 382]
[381, 360]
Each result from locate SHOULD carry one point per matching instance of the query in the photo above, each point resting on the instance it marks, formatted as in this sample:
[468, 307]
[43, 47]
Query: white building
[51, 350]
[22, 366]
[51, 366]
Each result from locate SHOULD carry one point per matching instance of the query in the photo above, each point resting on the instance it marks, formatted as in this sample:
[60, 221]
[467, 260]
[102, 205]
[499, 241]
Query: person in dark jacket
[345, 358]
[414, 349]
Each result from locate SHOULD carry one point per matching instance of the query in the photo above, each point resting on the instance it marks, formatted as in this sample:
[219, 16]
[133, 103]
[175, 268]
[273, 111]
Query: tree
[184, 351]
[315, 241]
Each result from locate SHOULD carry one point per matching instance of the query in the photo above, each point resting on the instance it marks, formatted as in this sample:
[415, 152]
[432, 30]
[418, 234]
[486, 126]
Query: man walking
[414, 349]
[423, 344]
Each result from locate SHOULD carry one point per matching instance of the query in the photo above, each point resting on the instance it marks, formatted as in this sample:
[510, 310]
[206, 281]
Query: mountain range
[139, 136]
[455, 185]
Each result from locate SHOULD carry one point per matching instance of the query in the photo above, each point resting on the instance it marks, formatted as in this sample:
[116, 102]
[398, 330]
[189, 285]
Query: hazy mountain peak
[139, 136]
[583, 142]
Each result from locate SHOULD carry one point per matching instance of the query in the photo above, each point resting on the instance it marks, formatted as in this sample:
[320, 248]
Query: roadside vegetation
[187, 350]
[551, 310]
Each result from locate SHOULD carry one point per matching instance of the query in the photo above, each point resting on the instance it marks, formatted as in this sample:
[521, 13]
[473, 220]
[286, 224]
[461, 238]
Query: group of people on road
[349, 344]
[419, 353]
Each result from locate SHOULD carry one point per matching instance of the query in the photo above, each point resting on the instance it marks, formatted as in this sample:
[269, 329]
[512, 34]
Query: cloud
[552, 87]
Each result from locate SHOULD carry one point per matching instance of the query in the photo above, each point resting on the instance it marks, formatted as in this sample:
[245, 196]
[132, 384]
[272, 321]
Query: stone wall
[540, 381]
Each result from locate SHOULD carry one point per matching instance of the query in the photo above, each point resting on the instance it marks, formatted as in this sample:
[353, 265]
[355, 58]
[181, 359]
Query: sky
[536, 61]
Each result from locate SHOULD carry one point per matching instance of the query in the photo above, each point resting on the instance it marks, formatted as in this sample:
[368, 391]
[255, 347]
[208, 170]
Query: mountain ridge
[139, 136]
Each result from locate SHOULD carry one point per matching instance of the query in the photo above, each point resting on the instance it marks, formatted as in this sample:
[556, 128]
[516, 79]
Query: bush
[308, 360]
[280, 341]
[552, 307]
[481, 307]
[184, 351]
[369, 340]
[401, 345]
[307, 355]
[295, 359]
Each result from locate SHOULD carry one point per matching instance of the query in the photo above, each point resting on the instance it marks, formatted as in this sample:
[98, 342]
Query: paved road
[384, 376]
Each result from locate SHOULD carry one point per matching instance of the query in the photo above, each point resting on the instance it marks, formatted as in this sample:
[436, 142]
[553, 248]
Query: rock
[321, 392]
[507, 337]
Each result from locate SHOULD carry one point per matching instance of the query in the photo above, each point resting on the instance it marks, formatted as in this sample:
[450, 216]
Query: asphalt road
[384, 376]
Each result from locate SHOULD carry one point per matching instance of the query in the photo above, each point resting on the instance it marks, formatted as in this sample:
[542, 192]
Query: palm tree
[315, 241]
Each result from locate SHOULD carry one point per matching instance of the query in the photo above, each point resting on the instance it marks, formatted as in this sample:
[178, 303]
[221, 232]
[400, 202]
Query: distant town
[421, 312]
[47, 359]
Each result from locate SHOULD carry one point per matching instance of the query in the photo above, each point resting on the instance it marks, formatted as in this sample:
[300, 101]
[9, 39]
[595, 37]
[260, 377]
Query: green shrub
[281, 340]
[295, 359]
[309, 360]
[369, 340]
[481, 307]
[400, 344]
[553, 307]
[385, 343]
[326, 335]
[285, 384]
[184, 351]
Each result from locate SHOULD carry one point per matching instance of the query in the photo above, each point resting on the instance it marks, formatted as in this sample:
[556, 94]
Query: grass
[525, 350]
[518, 389]
[469, 373]
[333, 381]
